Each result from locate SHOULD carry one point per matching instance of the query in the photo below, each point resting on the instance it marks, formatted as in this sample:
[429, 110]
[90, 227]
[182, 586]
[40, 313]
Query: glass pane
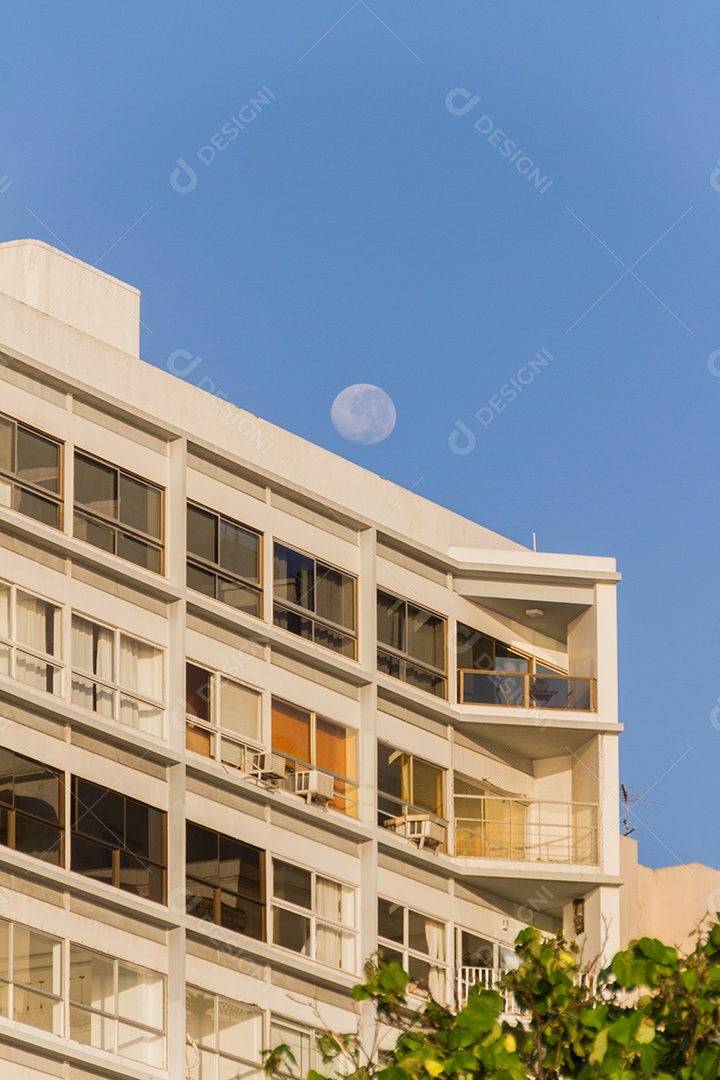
[37, 624]
[7, 441]
[293, 623]
[98, 812]
[92, 979]
[90, 1029]
[242, 915]
[427, 786]
[36, 1009]
[100, 536]
[335, 901]
[239, 709]
[6, 492]
[141, 996]
[291, 930]
[391, 921]
[424, 680]
[202, 853]
[426, 935]
[91, 859]
[91, 695]
[138, 552]
[477, 951]
[36, 960]
[241, 597]
[240, 868]
[201, 581]
[141, 668]
[474, 650]
[198, 692]
[37, 789]
[334, 639]
[141, 1045]
[96, 486]
[5, 654]
[239, 550]
[390, 772]
[240, 1030]
[142, 878]
[202, 534]
[144, 717]
[37, 839]
[335, 948]
[200, 1016]
[199, 901]
[299, 1043]
[335, 748]
[292, 883]
[38, 460]
[92, 648]
[140, 506]
[391, 621]
[4, 949]
[291, 730]
[201, 742]
[426, 637]
[34, 506]
[335, 596]
[37, 673]
[294, 577]
[4, 611]
[506, 659]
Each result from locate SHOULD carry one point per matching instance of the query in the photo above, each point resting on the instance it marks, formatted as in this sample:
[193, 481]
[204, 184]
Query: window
[315, 601]
[313, 915]
[118, 512]
[225, 881]
[30, 472]
[305, 739]
[118, 840]
[31, 805]
[224, 560]
[221, 714]
[31, 977]
[407, 784]
[117, 1006]
[117, 676]
[304, 1045]
[411, 644]
[227, 1037]
[30, 639]
[489, 824]
[417, 942]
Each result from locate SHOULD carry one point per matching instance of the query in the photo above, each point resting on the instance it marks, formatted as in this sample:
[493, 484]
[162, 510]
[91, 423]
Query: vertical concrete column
[176, 538]
[607, 658]
[367, 642]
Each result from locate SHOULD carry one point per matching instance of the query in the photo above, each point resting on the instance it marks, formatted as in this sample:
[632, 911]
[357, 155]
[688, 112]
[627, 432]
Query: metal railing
[391, 810]
[549, 832]
[345, 791]
[523, 690]
[489, 979]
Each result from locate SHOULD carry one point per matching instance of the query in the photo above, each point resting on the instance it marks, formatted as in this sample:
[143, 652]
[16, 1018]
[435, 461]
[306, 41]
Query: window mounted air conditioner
[420, 829]
[313, 785]
[266, 766]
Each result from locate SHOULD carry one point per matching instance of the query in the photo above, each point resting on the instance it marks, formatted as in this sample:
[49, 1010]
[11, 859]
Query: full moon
[363, 413]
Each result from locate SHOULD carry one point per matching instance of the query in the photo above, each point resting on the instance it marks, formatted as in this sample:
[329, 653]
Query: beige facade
[262, 711]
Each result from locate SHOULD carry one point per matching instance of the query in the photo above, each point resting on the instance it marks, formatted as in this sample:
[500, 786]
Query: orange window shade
[291, 730]
[335, 748]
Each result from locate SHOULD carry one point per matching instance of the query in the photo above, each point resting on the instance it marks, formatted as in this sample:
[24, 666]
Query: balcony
[489, 978]
[546, 832]
[522, 690]
[416, 824]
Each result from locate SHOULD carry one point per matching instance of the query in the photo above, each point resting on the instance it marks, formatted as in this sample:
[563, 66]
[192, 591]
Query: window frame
[407, 805]
[405, 659]
[11, 477]
[352, 784]
[115, 1017]
[218, 1054]
[407, 951]
[12, 983]
[215, 732]
[12, 811]
[308, 613]
[121, 847]
[218, 570]
[116, 688]
[11, 643]
[115, 524]
[311, 913]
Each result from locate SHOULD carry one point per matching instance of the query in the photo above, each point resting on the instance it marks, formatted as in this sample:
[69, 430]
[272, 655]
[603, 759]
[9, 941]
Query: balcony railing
[548, 832]
[525, 691]
[405, 819]
[489, 979]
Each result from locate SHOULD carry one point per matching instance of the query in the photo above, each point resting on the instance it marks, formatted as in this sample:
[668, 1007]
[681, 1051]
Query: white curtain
[435, 938]
[92, 652]
[36, 624]
[4, 611]
[141, 668]
[335, 902]
[141, 996]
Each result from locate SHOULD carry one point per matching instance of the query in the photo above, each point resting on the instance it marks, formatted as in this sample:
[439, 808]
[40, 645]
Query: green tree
[650, 1014]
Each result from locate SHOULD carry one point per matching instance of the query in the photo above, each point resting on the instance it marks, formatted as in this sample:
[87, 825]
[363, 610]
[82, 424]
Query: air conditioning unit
[420, 829]
[266, 766]
[314, 785]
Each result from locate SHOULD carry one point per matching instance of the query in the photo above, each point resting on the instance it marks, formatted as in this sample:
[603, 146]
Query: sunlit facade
[261, 713]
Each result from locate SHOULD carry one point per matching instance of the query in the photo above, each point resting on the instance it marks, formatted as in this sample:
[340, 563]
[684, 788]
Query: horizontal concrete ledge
[38, 1042]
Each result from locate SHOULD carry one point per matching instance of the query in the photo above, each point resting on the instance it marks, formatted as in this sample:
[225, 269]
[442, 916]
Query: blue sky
[357, 230]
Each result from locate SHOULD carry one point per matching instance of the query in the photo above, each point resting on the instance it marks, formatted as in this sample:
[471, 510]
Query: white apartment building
[262, 712]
